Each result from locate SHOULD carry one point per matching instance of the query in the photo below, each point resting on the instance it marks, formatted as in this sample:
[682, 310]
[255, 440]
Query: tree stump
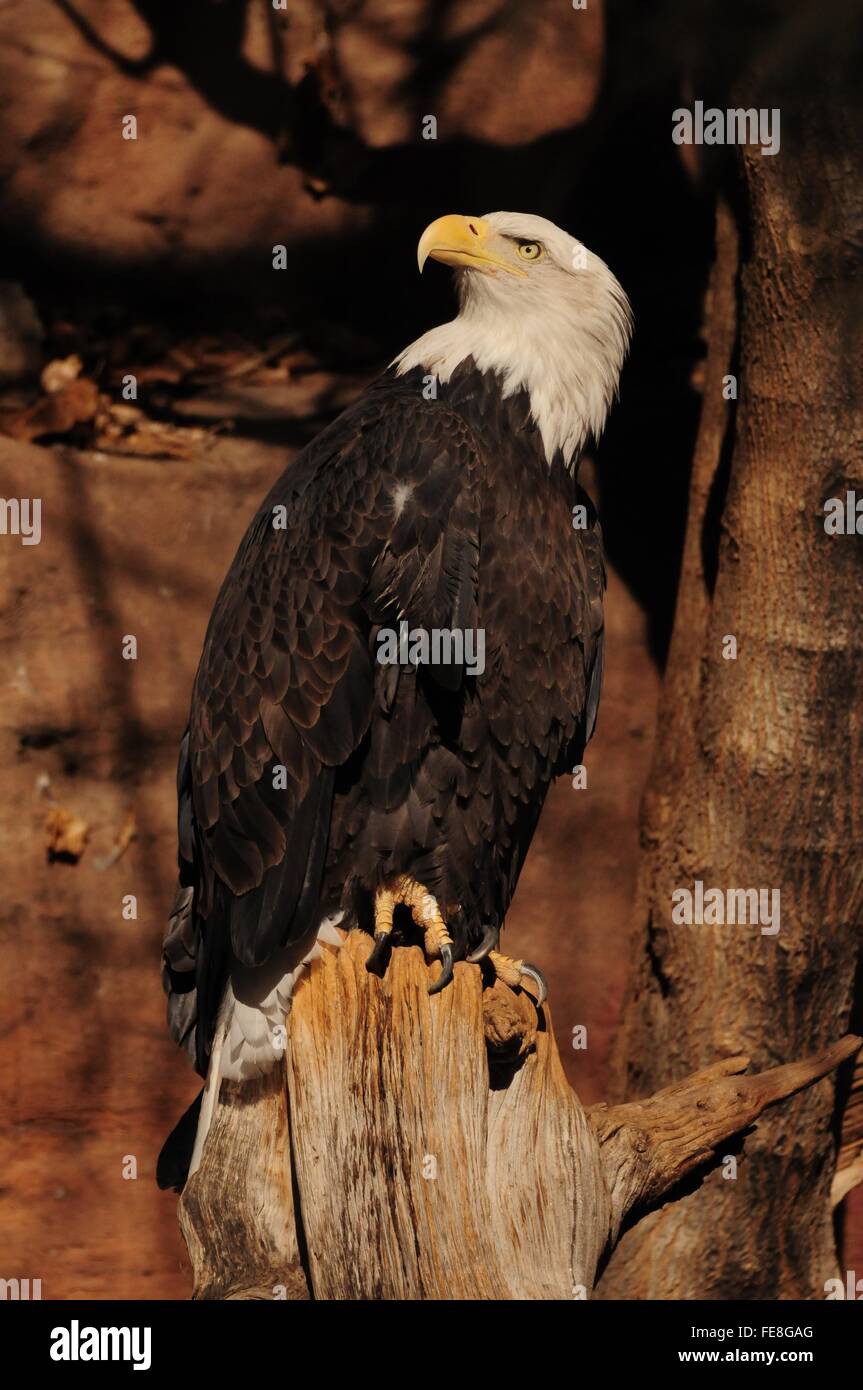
[410, 1147]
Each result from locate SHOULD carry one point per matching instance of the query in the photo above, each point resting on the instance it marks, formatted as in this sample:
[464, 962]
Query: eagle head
[538, 309]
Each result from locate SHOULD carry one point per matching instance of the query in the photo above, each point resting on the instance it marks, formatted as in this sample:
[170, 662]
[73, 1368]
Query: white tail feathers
[251, 1032]
[257, 1002]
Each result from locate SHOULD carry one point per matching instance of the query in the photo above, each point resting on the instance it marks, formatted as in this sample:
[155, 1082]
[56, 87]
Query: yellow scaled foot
[424, 909]
[513, 972]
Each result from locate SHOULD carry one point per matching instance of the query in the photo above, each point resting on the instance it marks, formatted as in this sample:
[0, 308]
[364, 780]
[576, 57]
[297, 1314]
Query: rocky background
[152, 257]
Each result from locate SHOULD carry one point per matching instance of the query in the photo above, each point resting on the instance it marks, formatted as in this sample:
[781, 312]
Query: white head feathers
[557, 326]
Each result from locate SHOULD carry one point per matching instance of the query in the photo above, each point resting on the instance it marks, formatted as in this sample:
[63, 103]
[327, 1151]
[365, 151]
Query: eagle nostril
[472, 228]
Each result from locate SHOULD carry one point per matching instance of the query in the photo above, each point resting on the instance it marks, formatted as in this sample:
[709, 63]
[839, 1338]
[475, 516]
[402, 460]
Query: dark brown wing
[372, 523]
[589, 616]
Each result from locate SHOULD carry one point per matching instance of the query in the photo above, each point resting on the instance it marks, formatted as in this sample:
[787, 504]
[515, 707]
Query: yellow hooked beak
[465, 241]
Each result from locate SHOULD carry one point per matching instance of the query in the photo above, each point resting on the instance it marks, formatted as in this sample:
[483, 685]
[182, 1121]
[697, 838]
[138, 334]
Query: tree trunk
[431, 1148]
[756, 779]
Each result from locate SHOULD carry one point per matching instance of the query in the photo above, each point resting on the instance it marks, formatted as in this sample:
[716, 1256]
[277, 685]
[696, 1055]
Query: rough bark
[756, 779]
[436, 1150]
[849, 1162]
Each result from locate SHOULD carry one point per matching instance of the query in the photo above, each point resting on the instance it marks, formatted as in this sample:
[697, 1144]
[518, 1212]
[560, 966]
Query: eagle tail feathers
[249, 1041]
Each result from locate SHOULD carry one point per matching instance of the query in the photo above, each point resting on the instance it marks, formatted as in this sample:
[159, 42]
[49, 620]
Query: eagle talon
[535, 974]
[378, 955]
[490, 938]
[445, 975]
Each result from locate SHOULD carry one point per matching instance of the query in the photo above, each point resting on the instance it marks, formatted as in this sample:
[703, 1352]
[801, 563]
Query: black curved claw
[490, 939]
[379, 955]
[539, 979]
[445, 975]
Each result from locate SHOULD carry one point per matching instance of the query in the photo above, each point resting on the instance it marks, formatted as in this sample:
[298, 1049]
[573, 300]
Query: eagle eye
[530, 250]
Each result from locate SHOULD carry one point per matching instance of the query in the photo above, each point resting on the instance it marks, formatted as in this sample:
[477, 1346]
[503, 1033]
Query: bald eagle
[341, 767]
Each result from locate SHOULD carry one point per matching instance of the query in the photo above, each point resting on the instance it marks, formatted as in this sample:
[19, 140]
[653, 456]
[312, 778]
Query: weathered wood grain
[237, 1208]
[431, 1148]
